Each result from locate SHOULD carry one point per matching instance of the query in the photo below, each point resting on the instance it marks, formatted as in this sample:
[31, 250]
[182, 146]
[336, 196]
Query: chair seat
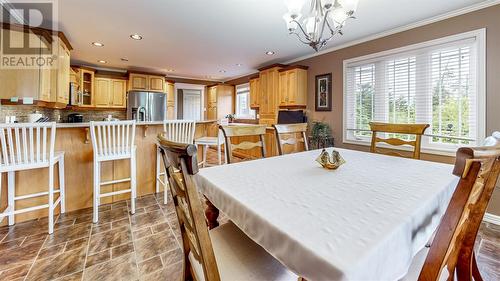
[206, 141]
[240, 259]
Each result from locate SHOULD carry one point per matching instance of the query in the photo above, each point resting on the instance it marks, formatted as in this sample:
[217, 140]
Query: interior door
[191, 105]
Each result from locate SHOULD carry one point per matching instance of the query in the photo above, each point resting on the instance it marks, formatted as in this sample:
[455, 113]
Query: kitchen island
[74, 140]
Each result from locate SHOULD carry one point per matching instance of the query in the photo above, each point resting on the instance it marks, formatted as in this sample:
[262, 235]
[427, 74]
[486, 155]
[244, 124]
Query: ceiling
[199, 38]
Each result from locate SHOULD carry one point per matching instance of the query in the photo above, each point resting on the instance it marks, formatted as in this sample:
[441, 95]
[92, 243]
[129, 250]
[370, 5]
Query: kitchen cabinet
[138, 81]
[87, 87]
[220, 101]
[170, 87]
[146, 82]
[63, 73]
[293, 87]
[255, 93]
[44, 83]
[118, 93]
[110, 92]
[269, 95]
[156, 83]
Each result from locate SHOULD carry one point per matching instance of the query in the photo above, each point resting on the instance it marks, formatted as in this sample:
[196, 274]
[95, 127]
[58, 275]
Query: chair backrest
[231, 131]
[292, 130]
[180, 160]
[452, 248]
[405, 129]
[26, 144]
[112, 138]
[181, 131]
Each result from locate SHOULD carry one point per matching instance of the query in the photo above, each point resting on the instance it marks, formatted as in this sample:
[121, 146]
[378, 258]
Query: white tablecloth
[364, 221]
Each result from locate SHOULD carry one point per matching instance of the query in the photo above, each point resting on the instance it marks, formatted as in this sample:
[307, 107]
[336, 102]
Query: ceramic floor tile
[16, 272]
[169, 273]
[68, 234]
[122, 268]
[76, 244]
[109, 239]
[72, 277]
[58, 266]
[172, 257]
[155, 245]
[151, 265]
[93, 259]
[122, 250]
[141, 233]
[146, 219]
[19, 255]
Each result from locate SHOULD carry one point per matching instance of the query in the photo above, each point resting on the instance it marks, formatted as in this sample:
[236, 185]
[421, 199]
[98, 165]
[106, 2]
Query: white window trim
[245, 85]
[184, 86]
[479, 35]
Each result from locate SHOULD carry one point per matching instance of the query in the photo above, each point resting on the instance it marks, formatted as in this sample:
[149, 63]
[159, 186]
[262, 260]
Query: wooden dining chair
[222, 253]
[407, 129]
[451, 252]
[292, 130]
[237, 131]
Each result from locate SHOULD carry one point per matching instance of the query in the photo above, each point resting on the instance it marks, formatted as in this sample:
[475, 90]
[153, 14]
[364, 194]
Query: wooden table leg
[212, 214]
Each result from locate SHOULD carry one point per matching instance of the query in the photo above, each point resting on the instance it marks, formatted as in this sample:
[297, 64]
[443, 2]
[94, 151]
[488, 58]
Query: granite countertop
[141, 123]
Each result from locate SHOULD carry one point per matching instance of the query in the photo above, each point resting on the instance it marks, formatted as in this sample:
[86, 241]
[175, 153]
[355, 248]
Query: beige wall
[488, 18]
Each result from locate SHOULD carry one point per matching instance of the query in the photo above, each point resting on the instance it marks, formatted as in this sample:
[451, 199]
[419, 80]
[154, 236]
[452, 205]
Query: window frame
[250, 116]
[478, 35]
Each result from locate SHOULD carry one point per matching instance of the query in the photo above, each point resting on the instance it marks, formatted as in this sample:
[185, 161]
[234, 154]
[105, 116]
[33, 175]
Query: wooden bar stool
[113, 140]
[25, 147]
[181, 131]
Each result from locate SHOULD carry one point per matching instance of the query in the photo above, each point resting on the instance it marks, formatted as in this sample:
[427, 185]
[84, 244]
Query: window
[243, 110]
[439, 82]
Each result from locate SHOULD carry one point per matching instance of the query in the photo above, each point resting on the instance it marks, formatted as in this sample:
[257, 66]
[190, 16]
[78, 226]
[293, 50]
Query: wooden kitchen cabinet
[110, 92]
[255, 93]
[146, 82]
[293, 87]
[170, 87]
[269, 95]
[63, 73]
[87, 86]
[118, 93]
[156, 83]
[220, 101]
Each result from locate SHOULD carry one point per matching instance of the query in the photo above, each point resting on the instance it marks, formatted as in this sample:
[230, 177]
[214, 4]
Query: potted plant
[321, 135]
[230, 118]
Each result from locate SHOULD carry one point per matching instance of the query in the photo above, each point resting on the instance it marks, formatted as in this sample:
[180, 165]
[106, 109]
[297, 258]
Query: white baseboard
[491, 218]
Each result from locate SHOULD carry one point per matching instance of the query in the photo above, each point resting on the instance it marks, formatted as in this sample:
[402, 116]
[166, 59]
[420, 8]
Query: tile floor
[144, 246]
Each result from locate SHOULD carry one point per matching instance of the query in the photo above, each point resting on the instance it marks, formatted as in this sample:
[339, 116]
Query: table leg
[212, 214]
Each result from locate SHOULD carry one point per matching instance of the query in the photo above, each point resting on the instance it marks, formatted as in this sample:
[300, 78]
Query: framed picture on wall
[323, 93]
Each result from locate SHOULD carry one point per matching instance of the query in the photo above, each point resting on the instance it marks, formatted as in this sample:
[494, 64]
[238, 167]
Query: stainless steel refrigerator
[146, 106]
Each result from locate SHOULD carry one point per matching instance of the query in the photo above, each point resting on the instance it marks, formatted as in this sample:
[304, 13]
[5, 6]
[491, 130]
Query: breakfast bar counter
[74, 140]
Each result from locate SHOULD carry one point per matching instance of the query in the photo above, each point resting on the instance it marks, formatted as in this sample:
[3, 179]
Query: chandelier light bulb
[321, 22]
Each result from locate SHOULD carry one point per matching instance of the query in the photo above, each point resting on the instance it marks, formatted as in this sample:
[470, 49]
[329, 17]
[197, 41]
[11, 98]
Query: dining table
[365, 220]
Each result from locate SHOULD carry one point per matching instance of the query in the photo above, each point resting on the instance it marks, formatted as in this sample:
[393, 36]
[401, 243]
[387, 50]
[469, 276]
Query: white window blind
[243, 110]
[438, 83]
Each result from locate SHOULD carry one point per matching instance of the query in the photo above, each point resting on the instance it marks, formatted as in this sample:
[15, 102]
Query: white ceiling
[197, 38]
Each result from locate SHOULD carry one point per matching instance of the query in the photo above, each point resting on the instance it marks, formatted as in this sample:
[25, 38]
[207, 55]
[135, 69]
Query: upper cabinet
[255, 93]
[293, 87]
[87, 87]
[110, 92]
[47, 82]
[146, 82]
[269, 95]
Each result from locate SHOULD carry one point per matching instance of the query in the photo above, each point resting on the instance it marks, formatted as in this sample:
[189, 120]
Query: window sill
[440, 152]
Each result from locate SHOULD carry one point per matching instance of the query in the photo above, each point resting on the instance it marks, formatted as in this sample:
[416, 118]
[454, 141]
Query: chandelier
[324, 19]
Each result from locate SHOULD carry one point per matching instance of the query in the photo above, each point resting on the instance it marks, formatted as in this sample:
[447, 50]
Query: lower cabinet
[110, 92]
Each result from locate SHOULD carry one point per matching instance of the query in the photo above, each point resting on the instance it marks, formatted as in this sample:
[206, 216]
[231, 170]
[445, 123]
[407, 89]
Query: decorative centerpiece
[330, 162]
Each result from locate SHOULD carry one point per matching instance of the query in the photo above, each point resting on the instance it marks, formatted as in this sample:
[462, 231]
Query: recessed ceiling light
[102, 61]
[170, 70]
[222, 71]
[124, 59]
[270, 53]
[136, 37]
[239, 64]
[98, 44]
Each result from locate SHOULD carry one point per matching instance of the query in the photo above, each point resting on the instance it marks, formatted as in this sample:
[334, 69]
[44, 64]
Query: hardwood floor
[144, 246]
